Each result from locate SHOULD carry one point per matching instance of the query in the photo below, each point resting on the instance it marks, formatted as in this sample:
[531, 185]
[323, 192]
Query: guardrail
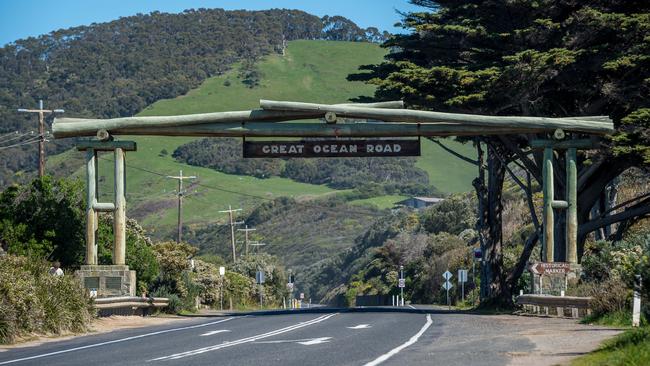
[127, 305]
[555, 305]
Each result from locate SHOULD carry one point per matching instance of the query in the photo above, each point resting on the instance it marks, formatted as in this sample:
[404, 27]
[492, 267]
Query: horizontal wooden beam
[413, 116]
[302, 129]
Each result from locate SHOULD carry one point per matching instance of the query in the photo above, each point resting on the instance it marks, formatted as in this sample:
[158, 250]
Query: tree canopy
[553, 58]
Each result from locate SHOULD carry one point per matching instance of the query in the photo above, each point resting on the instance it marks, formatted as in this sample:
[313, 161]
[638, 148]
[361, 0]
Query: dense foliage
[33, 301]
[225, 155]
[540, 58]
[117, 68]
[45, 220]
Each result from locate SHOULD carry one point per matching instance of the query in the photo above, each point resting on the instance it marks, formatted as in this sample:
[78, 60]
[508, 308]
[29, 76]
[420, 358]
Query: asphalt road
[327, 338]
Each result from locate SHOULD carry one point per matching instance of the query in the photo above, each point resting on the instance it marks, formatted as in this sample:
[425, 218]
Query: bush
[32, 301]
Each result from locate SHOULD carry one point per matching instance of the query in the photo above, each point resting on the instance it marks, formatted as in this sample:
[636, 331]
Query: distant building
[420, 202]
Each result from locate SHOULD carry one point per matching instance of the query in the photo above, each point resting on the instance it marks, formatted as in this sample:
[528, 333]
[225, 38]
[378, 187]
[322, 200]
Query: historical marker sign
[331, 148]
[551, 268]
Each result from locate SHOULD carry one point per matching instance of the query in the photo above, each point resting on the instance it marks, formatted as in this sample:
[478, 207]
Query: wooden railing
[562, 306]
[126, 305]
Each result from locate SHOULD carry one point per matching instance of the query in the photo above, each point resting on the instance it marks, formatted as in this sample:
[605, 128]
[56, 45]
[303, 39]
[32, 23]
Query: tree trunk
[493, 289]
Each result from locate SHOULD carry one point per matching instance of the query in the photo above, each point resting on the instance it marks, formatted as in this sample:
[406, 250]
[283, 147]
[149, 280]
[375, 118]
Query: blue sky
[25, 18]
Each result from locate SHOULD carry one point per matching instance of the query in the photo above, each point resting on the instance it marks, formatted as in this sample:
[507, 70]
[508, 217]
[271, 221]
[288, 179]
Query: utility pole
[180, 194]
[232, 224]
[41, 132]
[246, 241]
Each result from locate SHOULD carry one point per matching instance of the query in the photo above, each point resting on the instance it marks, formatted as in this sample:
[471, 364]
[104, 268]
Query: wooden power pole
[41, 132]
[232, 224]
[180, 194]
[246, 241]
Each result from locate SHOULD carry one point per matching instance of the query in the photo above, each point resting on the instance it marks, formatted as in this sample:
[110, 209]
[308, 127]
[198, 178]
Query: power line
[18, 136]
[27, 142]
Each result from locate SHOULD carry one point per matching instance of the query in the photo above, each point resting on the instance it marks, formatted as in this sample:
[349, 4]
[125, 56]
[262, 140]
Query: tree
[539, 58]
[44, 219]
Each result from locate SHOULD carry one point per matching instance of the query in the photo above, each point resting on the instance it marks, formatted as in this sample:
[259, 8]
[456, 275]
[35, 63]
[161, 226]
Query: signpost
[447, 285]
[259, 278]
[222, 272]
[636, 302]
[462, 278]
[330, 148]
[401, 284]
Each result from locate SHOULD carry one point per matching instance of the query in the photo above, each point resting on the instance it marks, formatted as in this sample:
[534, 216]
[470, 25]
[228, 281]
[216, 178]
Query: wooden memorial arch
[372, 120]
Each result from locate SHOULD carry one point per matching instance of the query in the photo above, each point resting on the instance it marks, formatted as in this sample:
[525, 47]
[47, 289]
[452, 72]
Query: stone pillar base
[108, 280]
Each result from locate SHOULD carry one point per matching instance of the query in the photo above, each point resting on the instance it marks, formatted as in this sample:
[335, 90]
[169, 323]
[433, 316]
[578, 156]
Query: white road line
[213, 332]
[305, 342]
[360, 326]
[412, 307]
[215, 347]
[396, 350]
[114, 341]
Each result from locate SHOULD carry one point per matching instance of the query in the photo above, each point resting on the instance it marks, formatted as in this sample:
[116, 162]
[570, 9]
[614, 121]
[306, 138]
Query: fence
[571, 306]
[127, 305]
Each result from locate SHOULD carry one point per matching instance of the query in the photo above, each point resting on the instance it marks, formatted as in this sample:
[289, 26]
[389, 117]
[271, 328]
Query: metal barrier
[544, 304]
[127, 305]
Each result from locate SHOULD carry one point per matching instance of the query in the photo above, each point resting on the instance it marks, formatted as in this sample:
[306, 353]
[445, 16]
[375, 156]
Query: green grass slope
[312, 71]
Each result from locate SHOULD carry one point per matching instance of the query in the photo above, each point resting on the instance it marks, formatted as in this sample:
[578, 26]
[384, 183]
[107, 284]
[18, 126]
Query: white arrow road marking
[360, 326]
[215, 347]
[396, 350]
[304, 342]
[115, 341]
[213, 332]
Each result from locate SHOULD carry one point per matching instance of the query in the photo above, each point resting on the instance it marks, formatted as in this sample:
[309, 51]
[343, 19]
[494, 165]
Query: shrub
[32, 301]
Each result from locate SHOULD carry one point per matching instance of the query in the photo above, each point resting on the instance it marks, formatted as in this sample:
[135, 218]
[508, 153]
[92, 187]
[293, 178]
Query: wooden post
[41, 140]
[91, 224]
[119, 221]
[572, 210]
[549, 220]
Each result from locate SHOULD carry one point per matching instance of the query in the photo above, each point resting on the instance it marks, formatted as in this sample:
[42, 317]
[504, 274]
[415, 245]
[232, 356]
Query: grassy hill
[309, 71]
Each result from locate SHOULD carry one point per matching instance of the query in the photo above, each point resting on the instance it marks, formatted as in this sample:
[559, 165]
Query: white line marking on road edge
[412, 307]
[360, 326]
[215, 347]
[115, 341]
[396, 350]
[213, 332]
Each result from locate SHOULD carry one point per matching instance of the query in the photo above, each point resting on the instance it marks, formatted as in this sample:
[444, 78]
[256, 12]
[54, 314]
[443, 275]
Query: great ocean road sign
[331, 148]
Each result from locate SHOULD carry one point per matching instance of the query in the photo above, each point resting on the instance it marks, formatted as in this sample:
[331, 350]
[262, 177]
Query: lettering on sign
[331, 148]
[550, 268]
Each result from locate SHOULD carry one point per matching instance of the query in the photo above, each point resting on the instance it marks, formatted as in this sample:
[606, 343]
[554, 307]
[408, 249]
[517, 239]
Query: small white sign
[401, 283]
[447, 285]
[302, 296]
[290, 286]
[447, 275]
[462, 275]
[222, 271]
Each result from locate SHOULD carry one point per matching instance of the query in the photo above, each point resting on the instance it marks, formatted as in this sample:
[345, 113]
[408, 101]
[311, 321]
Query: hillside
[117, 68]
[309, 71]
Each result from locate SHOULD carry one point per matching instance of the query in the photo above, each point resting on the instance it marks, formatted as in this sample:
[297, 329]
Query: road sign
[330, 148]
[259, 277]
[290, 286]
[447, 275]
[222, 271]
[478, 254]
[302, 296]
[462, 275]
[541, 268]
[401, 283]
[447, 285]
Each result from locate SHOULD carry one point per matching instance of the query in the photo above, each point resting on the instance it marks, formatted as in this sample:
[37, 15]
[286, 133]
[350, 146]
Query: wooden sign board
[550, 268]
[331, 148]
